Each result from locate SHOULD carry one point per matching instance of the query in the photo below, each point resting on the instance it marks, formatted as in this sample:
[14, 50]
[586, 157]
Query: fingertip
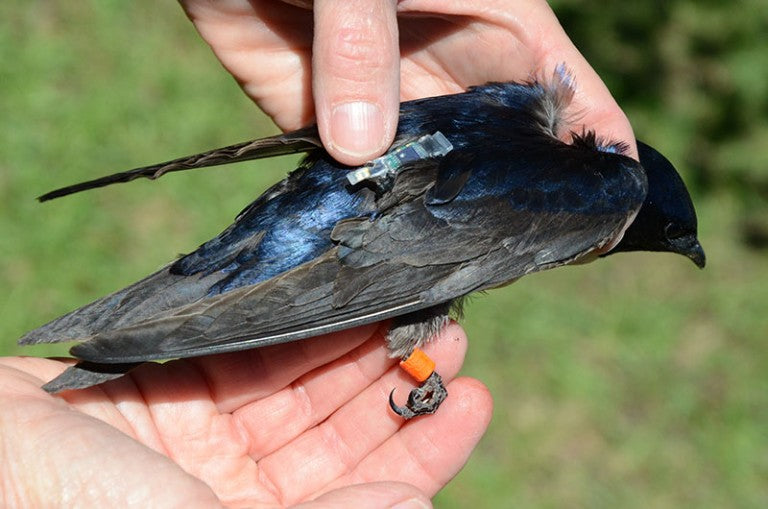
[443, 442]
[357, 132]
[474, 399]
[464, 417]
[632, 150]
[448, 348]
[593, 103]
[454, 335]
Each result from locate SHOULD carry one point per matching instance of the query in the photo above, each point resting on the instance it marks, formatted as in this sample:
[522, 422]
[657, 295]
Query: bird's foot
[425, 399]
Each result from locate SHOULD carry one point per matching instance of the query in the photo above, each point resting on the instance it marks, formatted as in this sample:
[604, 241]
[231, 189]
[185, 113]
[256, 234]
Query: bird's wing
[155, 294]
[303, 140]
[414, 256]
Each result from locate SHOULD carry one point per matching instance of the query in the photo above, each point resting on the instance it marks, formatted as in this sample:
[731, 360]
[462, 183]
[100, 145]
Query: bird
[478, 189]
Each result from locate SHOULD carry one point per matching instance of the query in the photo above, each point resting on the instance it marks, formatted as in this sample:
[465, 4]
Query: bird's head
[667, 220]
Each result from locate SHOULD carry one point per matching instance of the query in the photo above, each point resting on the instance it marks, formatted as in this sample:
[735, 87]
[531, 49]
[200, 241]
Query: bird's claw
[425, 399]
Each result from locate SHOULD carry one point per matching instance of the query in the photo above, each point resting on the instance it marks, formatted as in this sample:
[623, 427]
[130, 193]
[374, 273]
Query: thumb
[356, 77]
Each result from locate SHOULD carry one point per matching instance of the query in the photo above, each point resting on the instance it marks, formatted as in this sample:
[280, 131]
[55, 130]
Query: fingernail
[412, 503]
[357, 128]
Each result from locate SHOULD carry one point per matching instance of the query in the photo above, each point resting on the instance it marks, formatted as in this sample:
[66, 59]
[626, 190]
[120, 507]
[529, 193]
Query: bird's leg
[406, 334]
[426, 398]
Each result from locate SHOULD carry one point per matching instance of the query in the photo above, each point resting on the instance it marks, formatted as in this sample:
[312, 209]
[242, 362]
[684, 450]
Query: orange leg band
[418, 365]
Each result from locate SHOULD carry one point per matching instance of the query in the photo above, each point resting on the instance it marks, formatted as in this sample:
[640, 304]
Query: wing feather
[304, 302]
[303, 140]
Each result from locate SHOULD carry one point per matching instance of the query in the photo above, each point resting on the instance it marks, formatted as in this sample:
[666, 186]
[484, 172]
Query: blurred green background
[637, 381]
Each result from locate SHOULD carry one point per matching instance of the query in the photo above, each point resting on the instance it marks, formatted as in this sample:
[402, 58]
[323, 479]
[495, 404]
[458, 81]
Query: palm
[277, 425]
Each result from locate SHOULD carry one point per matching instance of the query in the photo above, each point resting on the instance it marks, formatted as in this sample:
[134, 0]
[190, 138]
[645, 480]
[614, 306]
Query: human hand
[304, 422]
[300, 64]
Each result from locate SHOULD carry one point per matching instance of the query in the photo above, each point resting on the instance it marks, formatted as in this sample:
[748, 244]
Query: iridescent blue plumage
[277, 234]
[283, 230]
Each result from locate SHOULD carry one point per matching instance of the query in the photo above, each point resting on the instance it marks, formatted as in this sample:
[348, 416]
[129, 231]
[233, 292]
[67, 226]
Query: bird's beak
[696, 253]
[689, 246]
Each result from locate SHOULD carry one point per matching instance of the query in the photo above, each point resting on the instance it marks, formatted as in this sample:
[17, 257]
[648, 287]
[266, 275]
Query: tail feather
[86, 374]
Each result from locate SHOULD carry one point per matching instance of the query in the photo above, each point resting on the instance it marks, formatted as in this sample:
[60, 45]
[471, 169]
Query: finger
[266, 47]
[356, 77]
[335, 447]
[273, 422]
[593, 104]
[518, 41]
[204, 388]
[237, 378]
[428, 452]
[376, 494]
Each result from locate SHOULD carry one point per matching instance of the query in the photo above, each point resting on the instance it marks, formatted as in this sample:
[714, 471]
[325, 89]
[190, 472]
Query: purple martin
[479, 189]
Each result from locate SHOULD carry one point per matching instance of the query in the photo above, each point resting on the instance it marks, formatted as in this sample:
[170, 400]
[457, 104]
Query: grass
[636, 381]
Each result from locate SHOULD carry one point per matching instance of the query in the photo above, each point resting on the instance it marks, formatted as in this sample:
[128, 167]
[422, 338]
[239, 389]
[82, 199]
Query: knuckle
[359, 54]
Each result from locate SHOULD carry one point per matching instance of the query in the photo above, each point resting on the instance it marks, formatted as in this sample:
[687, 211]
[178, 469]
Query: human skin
[301, 65]
[305, 422]
[301, 423]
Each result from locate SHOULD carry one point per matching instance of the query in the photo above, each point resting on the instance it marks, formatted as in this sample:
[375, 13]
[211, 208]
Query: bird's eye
[674, 231]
